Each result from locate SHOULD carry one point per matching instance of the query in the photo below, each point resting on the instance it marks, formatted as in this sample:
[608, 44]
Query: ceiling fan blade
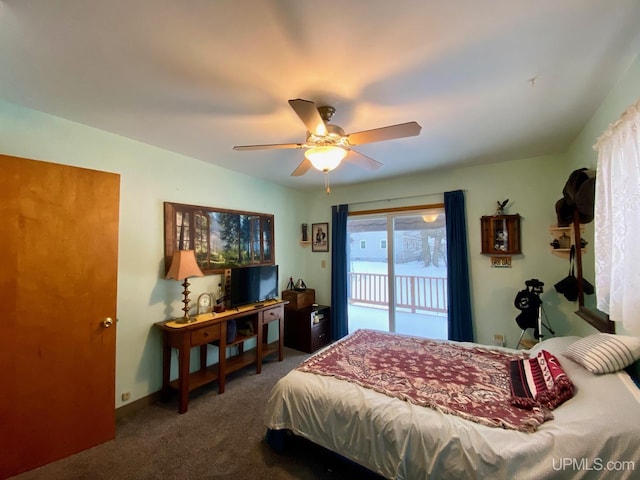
[362, 160]
[308, 113]
[401, 130]
[269, 146]
[301, 169]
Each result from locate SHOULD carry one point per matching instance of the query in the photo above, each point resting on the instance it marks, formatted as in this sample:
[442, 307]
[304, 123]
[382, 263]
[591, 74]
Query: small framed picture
[320, 237]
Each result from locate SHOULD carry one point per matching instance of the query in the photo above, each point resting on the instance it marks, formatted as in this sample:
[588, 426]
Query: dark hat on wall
[564, 212]
[586, 195]
[578, 194]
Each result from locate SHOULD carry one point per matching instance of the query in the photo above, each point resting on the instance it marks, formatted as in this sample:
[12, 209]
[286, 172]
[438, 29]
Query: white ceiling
[200, 76]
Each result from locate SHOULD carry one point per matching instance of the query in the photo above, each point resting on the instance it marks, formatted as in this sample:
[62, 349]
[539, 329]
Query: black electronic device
[535, 285]
[528, 301]
[253, 284]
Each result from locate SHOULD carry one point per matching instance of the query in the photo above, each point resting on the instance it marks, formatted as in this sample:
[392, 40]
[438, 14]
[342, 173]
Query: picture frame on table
[320, 237]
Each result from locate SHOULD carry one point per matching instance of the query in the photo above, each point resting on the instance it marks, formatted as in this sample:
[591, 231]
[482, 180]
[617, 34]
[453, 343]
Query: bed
[594, 434]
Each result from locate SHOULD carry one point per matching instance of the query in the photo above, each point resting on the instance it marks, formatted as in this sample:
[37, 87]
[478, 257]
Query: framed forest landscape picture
[320, 237]
[220, 238]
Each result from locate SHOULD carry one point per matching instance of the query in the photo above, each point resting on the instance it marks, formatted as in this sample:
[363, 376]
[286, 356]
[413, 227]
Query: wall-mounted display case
[500, 234]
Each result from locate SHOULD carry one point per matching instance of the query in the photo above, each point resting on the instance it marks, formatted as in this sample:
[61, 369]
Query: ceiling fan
[327, 144]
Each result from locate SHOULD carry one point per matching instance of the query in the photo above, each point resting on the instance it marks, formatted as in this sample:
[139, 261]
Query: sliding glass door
[397, 272]
[368, 273]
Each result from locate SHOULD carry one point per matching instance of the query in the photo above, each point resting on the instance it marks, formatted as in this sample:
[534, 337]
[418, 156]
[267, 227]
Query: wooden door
[58, 274]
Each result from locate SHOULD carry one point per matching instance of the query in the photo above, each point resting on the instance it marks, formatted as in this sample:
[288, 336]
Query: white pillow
[604, 352]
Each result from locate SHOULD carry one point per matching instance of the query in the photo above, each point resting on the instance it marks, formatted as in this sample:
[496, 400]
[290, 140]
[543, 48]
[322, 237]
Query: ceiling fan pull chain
[326, 183]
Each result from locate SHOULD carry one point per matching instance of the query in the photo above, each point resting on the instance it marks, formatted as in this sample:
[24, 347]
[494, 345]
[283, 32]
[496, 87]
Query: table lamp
[183, 266]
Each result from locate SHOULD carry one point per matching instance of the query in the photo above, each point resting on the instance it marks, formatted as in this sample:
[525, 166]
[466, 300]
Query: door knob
[107, 322]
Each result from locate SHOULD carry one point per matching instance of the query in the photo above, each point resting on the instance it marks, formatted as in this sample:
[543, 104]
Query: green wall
[581, 154]
[532, 185]
[624, 93]
[151, 176]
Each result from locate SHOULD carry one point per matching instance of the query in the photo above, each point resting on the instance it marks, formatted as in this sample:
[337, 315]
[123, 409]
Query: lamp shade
[430, 217]
[184, 265]
[325, 157]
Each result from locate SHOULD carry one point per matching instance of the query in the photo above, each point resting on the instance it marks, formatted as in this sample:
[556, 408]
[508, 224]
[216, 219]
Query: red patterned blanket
[471, 382]
[539, 381]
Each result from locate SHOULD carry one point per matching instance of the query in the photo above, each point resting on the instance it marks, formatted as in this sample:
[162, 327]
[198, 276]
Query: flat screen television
[253, 284]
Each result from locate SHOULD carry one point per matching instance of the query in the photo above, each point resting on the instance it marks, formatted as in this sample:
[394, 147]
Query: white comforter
[596, 434]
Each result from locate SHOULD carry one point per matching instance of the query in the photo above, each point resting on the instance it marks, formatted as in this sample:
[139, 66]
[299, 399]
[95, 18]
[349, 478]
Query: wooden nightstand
[307, 329]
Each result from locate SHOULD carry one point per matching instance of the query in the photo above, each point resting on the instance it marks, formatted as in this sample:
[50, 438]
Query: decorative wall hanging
[305, 240]
[500, 234]
[221, 238]
[320, 237]
[501, 262]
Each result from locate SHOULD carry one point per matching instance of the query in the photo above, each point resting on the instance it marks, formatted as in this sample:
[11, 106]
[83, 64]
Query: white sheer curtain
[617, 220]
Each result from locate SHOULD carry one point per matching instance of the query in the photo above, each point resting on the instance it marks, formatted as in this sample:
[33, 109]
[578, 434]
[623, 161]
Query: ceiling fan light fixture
[325, 157]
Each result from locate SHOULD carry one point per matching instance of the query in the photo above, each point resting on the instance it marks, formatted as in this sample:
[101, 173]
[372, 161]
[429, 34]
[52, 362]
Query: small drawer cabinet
[307, 329]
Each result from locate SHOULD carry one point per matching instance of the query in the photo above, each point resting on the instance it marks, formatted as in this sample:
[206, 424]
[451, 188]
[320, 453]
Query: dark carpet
[220, 437]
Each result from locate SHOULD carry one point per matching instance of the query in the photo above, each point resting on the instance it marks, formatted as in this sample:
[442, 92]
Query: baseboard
[136, 405]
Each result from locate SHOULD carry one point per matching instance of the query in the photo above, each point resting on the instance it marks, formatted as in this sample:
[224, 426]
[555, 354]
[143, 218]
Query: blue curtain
[339, 322]
[459, 296]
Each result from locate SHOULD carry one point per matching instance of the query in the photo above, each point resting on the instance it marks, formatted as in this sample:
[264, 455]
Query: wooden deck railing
[412, 292]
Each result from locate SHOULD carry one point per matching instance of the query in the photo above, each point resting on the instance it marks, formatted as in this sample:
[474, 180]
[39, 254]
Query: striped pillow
[604, 352]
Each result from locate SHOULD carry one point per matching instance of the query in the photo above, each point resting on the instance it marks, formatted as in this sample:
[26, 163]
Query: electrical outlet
[498, 339]
[323, 264]
[126, 396]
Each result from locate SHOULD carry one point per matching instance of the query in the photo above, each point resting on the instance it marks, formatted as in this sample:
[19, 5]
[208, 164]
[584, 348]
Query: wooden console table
[212, 328]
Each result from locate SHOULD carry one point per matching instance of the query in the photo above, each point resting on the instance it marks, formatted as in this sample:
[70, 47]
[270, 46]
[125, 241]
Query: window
[401, 285]
[617, 223]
